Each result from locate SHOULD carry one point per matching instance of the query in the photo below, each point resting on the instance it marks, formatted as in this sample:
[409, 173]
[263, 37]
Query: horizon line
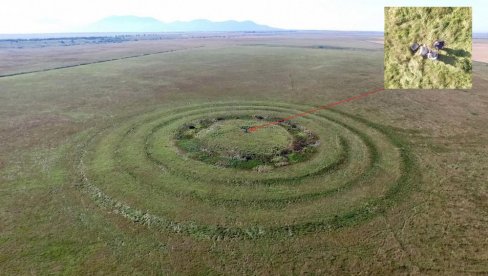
[237, 31]
[176, 32]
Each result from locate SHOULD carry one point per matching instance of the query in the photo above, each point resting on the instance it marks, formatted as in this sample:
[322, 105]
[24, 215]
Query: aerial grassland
[144, 165]
[425, 25]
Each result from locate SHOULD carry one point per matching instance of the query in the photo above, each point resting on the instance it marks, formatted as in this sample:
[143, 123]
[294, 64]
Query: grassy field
[406, 25]
[119, 167]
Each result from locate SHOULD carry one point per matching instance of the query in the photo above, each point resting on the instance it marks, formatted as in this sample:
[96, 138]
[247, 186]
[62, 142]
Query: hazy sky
[35, 16]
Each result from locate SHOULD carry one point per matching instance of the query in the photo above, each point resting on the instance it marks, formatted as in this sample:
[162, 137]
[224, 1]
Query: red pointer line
[313, 110]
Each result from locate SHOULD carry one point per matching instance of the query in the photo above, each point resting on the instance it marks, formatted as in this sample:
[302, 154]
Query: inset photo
[428, 47]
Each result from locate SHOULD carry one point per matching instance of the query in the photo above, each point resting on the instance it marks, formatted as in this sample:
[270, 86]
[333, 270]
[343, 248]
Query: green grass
[405, 25]
[93, 180]
[176, 204]
[230, 134]
[226, 142]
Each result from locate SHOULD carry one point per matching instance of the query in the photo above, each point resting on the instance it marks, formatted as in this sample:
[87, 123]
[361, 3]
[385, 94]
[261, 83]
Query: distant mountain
[149, 24]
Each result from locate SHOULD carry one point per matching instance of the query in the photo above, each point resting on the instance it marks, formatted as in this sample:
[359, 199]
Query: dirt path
[94, 62]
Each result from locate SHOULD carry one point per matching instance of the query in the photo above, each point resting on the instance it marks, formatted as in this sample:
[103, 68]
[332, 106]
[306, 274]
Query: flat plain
[108, 165]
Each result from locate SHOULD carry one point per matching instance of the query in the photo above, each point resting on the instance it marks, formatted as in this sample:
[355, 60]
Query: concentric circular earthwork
[197, 170]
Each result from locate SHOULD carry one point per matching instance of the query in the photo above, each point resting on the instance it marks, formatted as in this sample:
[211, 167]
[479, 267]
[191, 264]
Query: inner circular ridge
[226, 142]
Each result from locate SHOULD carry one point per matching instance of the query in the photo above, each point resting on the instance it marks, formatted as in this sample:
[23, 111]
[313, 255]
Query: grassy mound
[229, 135]
[225, 141]
[405, 25]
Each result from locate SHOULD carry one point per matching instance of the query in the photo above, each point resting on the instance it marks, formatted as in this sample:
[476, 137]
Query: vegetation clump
[226, 142]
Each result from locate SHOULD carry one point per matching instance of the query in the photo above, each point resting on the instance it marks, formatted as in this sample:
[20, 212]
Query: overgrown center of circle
[225, 142]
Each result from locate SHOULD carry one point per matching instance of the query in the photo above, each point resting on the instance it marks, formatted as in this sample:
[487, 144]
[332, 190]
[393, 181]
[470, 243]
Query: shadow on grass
[448, 60]
[457, 53]
[457, 58]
